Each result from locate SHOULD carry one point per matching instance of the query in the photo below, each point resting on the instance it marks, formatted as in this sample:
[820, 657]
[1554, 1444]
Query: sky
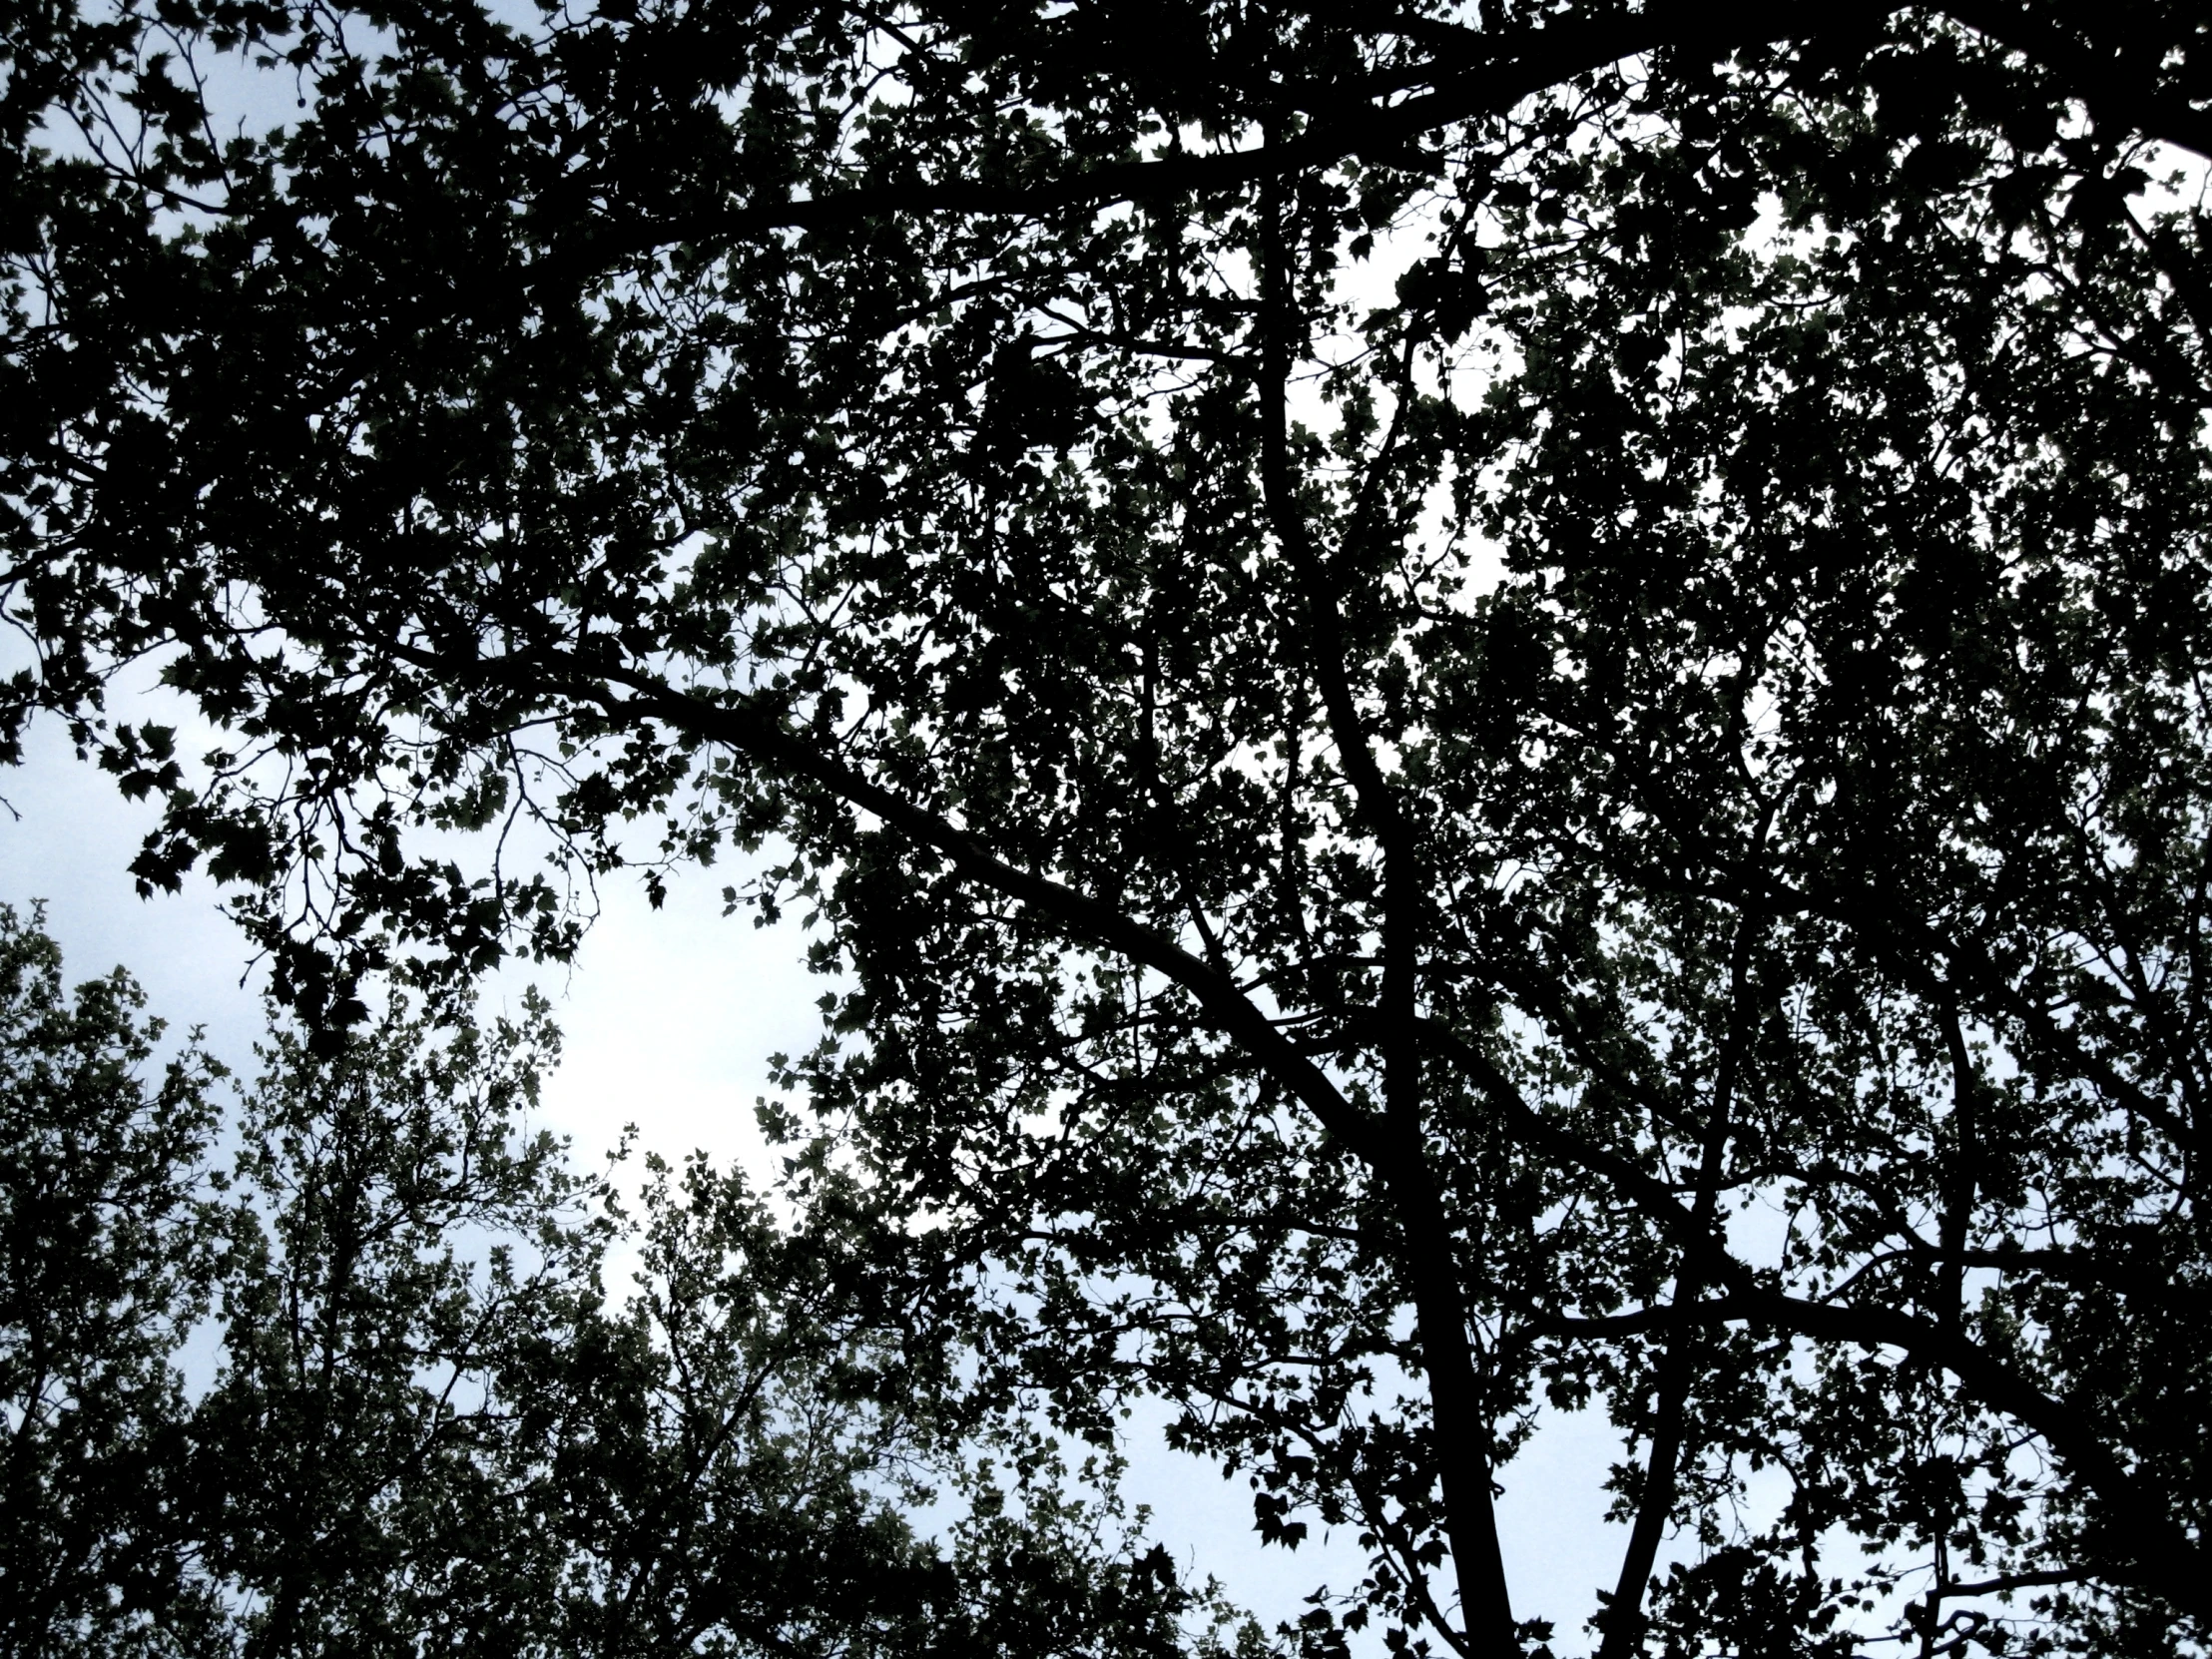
[667, 1018]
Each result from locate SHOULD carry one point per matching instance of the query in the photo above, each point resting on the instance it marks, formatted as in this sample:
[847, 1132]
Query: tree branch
[2164, 1558]
[1430, 1260]
[767, 741]
[1482, 79]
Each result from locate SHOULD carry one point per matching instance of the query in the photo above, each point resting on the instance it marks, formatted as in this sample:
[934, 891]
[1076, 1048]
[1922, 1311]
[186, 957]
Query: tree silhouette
[1414, 658]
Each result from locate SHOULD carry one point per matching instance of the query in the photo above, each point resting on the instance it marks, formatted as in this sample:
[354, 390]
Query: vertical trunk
[1462, 1422]
[1960, 1178]
[1623, 1619]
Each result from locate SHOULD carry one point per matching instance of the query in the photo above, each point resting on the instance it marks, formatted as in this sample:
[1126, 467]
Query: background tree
[1414, 658]
[112, 1245]
[421, 1427]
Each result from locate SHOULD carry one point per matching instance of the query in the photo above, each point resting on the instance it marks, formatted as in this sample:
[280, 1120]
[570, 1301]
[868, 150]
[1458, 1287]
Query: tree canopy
[421, 1424]
[1495, 708]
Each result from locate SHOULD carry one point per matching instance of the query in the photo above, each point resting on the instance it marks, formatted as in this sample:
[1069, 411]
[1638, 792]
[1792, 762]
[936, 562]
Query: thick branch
[1624, 1614]
[1502, 74]
[1431, 1263]
[767, 741]
[1962, 1180]
[2066, 41]
[2164, 1559]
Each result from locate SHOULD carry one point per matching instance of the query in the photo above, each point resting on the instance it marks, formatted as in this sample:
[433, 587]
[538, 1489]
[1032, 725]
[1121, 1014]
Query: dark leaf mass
[1484, 711]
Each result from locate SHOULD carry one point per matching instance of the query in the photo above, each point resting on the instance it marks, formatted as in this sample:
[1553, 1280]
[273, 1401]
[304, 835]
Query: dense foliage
[352, 1384]
[1497, 708]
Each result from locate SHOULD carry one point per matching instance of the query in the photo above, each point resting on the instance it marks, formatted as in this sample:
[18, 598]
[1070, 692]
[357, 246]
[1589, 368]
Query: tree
[109, 1244]
[424, 1430]
[1413, 658]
